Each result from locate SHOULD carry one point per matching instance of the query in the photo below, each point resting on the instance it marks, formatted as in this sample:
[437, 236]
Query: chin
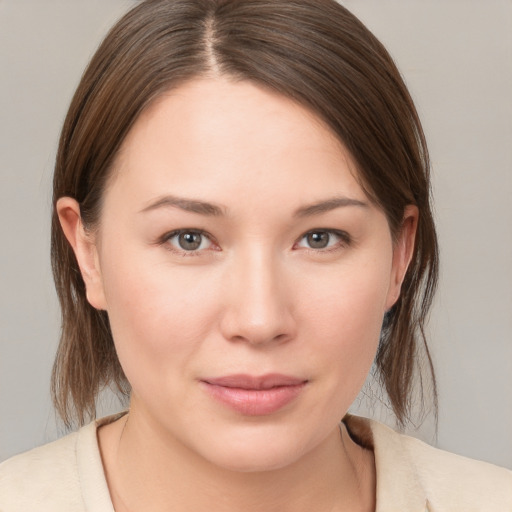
[255, 450]
[250, 461]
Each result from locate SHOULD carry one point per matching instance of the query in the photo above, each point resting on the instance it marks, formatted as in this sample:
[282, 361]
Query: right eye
[188, 241]
[324, 240]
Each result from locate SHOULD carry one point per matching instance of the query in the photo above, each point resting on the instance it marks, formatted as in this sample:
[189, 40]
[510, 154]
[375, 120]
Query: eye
[188, 240]
[324, 239]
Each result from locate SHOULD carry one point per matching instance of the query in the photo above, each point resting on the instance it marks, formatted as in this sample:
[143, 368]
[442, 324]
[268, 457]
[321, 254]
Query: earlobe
[402, 253]
[85, 249]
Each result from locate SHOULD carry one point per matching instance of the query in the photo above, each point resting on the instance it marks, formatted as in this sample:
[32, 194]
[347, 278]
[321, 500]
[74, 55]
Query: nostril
[258, 306]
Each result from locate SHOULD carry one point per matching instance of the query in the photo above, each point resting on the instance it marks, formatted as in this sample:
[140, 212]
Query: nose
[259, 306]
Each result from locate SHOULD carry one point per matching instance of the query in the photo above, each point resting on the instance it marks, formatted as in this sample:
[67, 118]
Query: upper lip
[267, 381]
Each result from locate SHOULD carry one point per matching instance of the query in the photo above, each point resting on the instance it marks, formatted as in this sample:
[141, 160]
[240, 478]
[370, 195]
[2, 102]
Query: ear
[403, 251]
[85, 249]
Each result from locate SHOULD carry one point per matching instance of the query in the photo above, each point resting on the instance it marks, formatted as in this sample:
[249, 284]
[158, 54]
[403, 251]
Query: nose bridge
[259, 308]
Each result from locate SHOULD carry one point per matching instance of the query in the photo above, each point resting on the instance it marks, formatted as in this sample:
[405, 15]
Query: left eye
[320, 240]
[189, 241]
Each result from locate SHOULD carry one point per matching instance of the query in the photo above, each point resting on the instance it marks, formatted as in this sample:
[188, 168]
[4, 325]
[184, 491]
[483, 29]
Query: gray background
[456, 57]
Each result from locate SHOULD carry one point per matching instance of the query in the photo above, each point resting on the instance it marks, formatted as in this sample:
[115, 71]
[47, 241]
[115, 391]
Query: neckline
[397, 483]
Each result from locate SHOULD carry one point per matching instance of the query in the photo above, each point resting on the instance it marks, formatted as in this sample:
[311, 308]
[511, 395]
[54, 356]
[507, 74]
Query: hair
[313, 51]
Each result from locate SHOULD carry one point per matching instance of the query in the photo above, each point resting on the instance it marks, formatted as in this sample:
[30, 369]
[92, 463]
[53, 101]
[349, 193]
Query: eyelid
[345, 239]
[165, 241]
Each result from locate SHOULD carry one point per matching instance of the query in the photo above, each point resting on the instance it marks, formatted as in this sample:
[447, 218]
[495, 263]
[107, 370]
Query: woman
[241, 226]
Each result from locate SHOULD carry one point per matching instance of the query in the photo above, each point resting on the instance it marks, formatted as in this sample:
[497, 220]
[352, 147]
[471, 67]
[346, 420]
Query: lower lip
[255, 402]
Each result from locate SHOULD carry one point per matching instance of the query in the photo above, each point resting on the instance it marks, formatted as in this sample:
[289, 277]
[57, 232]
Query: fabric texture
[67, 475]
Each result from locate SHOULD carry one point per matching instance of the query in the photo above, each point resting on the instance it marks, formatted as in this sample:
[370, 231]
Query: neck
[149, 470]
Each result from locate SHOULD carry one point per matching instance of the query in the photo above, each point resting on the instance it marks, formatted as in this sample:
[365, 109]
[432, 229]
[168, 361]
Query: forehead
[221, 137]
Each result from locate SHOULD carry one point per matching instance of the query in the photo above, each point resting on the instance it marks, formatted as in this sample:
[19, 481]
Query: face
[244, 271]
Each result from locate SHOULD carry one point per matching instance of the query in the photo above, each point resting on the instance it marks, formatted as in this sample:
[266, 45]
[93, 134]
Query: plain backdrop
[456, 57]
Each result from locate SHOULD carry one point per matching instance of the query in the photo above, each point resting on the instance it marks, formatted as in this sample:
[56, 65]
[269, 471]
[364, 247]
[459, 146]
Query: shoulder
[418, 476]
[48, 473]
[454, 481]
[66, 475]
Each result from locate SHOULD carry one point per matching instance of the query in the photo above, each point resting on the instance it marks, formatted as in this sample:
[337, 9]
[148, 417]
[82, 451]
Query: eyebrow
[328, 205]
[189, 205]
[210, 209]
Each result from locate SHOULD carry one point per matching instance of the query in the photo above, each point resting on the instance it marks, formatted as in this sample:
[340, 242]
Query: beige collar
[398, 484]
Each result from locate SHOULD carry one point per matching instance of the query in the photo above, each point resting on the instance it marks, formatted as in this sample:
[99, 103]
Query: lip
[254, 395]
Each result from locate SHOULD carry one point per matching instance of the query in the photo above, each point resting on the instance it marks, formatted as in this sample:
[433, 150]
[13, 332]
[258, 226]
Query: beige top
[67, 475]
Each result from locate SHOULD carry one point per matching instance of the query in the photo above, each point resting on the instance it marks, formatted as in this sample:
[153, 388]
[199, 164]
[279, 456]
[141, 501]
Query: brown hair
[313, 51]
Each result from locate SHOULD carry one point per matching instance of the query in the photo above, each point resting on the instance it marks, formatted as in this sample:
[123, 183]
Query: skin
[254, 298]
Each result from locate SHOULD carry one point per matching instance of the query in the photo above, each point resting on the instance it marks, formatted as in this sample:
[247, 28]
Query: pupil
[318, 240]
[190, 241]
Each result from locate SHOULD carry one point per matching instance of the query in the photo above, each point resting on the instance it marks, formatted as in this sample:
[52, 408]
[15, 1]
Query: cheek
[351, 300]
[158, 317]
[345, 319]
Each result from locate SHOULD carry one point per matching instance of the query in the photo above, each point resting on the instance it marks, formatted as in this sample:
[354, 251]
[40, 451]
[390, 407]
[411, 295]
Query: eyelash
[165, 240]
[345, 241]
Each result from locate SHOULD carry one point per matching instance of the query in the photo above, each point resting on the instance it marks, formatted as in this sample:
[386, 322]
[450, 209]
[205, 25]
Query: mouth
[254, 395]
